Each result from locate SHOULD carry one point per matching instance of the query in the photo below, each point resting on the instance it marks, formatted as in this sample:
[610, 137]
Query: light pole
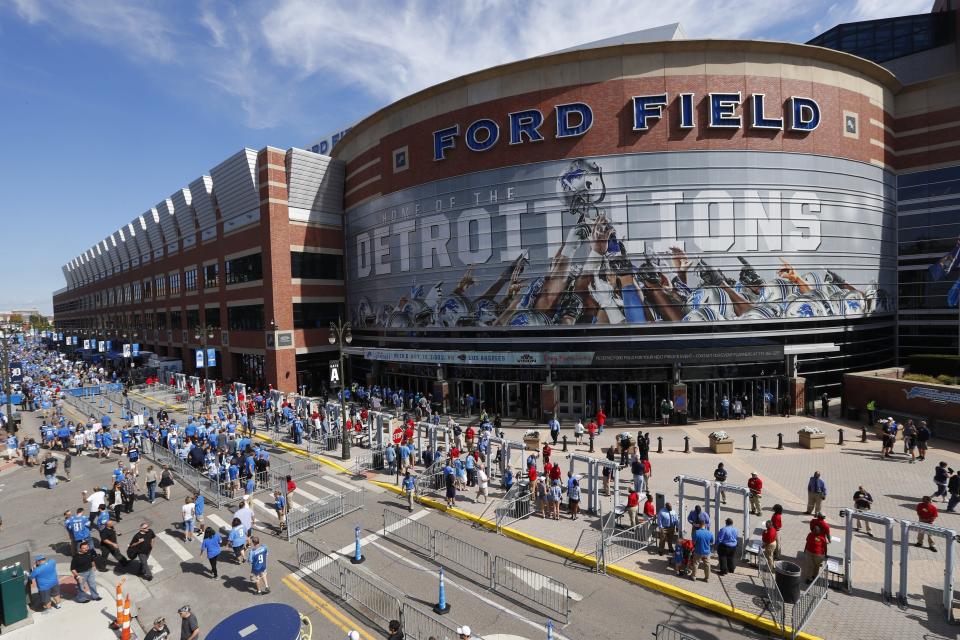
[340, 334]
[204, 334]
[6, 338]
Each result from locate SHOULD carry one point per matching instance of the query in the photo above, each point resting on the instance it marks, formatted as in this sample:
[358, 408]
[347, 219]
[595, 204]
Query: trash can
[681, 417]
[378, 460]
[788, 580]
[13, 595]
[521, 507]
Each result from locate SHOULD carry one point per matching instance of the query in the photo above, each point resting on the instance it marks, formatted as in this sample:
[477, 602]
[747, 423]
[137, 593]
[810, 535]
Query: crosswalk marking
[317, 485]
[174, 545]
[352, 486]
[302, 573]
[155, 566]
[309, 496]
[217, 520]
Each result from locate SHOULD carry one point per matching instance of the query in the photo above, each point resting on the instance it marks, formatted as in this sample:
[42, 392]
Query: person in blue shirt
[47, 583]
[233, 473]
[250, 487]
[238, 539]
[210, 547]
[390, 455]
[258, 566]
[816, 493]
[667, 527]
[79, 527]
[508, 479]
[280, 506]
[702, 545]
[118, 472]
[554, 425]
[727, 539]
[698, 517]
[408, 484]
[101, 518]
[198, 505]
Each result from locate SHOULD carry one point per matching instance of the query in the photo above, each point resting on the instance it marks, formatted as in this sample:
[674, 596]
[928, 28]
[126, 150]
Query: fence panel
[531, 585]
[664, 632]
[774, 599]
[372, 600]
[618, 545]
[410, 531]
[810, 599]
[419, 625]
[462, 553]
[322, 568]
[314, 514]
[513, 507]
[353, 500]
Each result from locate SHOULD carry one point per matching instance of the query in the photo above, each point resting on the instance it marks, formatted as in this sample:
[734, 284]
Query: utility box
[13, 594]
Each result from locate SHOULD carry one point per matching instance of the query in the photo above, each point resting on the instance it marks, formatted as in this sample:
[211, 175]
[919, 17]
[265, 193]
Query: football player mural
[594, 278]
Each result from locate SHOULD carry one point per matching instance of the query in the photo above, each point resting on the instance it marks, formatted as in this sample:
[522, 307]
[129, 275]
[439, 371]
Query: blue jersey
[279, 503]
[238, 536]
[198, 506]
[251, 486]
[79, 527]
[258, 559]
[101, 520]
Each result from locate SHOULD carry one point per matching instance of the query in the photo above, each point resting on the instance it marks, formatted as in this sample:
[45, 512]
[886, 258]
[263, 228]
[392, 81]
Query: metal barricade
[320, 567]
[410, 531]
[372, 460]
[419, 625]
[664, 632]
[621, 544]
[513, 507]
[463, 554]
[773, 598]
[531, 585]
[803, 609]
[431, 479]
[314, 514]
[371, 599]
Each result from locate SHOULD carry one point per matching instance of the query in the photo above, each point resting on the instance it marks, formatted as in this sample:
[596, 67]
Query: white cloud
[391, 51]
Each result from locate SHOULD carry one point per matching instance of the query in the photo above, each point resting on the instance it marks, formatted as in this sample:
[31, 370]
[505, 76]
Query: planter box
[721, 446]
[531, 443]
[812, 440]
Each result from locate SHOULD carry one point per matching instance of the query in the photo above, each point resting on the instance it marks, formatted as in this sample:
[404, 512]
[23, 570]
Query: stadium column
[280, 362]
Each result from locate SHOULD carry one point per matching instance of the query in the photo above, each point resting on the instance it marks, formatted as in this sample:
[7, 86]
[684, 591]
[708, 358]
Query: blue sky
[110, 106]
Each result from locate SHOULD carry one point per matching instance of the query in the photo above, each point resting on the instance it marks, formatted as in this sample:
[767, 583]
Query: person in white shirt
[94, 499]
[188, 514]
[245, 514]
[482, 482]
[578, 431]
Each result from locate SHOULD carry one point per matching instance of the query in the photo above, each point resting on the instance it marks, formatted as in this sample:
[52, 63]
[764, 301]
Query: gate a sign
[335, 373]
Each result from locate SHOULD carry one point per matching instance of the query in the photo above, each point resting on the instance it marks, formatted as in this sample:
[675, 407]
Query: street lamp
[340, 334]
[6, 340]
[204, 334]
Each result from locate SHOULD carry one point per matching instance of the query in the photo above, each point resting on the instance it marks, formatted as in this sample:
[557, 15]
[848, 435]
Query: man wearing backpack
[923, 439]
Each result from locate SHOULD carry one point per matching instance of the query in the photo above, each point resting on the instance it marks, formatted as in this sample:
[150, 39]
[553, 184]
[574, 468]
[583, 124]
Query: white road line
[576, 597]
[353, 485]
[309, 496]
[317, 485]
[477, 595]
[174, 545]
[155, 566]
[302, 573]
[217, 520]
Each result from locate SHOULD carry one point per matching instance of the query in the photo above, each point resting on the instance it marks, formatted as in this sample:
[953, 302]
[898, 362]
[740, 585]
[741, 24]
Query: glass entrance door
[511, 400]
[570, 402]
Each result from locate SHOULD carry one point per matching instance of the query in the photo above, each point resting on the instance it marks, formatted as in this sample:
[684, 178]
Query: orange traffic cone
[118, 622]
[125, 629]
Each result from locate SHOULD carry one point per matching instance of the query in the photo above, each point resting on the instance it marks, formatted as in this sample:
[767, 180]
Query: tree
[16, 318]
[39, 322]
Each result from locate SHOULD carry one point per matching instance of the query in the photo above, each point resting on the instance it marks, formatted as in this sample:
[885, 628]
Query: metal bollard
[754, 446]
[591, 443]
[863, 434]
[779, 441]
[840, 431]
[659, 444]
[564, 443]
[686, 444]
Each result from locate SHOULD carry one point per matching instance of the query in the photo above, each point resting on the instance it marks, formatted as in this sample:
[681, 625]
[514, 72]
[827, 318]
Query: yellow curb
[302, 452]
[665, 588]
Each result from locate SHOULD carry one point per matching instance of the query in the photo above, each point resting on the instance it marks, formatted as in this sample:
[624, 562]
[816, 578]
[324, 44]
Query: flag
[942, 267]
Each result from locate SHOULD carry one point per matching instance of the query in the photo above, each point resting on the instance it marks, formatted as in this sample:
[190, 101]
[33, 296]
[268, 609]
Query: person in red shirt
[592, 429]
[770, 544]
[820, 521]
[546, 454]
[777, 517]
[814, 553]
[547, 469]
[927, 513]
[649, 508]
[601, 419]
[532, 475]
[647, 472]
[633, 502]
[469, 434]
[755, 484]
[554, 473]
[454, 452]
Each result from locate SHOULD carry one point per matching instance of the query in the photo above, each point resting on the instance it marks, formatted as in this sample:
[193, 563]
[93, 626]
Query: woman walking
[166, 481]
[210, 547]
[152, 479]
[188, 513]
[573, 496]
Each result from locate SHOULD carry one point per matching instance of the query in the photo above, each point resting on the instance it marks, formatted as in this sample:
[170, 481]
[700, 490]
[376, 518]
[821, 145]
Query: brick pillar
[281, 360]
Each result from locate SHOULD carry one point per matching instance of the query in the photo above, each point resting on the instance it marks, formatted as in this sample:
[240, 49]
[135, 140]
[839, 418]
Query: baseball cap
[753, 473]
[39, 557]
[184, 609]
[463, 631]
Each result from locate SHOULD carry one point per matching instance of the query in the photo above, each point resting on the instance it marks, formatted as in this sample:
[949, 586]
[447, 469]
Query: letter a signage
[334, 373]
